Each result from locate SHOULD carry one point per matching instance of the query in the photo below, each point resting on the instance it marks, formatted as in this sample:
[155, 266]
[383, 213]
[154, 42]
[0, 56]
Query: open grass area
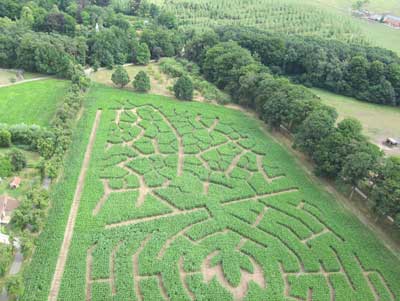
[190, 201]
[31, 103]
[159, 82]
[379, 122]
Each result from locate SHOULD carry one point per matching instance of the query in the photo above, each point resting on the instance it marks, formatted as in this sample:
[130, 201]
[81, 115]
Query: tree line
[367, 73]
[340, 150]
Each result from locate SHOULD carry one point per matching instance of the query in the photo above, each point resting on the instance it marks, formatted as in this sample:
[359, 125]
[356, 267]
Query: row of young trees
[183, 87]
[367, 73]
[339, 151]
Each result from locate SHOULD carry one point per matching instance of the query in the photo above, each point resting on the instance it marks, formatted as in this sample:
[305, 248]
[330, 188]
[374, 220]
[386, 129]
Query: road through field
[69, 230]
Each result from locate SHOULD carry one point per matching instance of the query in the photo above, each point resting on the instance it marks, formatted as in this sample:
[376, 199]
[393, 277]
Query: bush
[120, 77]
[5, 167]
[141, 82]
[5, 258]
[142, 54]
[17, 159]
[15, 286]
[5, 138]
[183, 88]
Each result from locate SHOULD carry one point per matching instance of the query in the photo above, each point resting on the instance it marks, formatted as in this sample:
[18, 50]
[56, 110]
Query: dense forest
[258, 69]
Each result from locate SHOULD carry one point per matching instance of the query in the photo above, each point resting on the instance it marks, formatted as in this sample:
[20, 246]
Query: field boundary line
[69, 230]
[25, 81]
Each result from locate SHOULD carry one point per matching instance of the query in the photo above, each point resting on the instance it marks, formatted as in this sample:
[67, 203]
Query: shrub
[120, 77]
[18, 160]
[5, 167]
[15, 286]
[5, 138]
[183, 88]
[142, 54]
[142, 82]
[5, 258]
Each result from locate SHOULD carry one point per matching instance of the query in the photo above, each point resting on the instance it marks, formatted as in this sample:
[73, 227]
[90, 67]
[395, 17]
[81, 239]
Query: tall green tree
[314, 129]
[120, 77]
[142, 54]
[183, 88]
[141, 82]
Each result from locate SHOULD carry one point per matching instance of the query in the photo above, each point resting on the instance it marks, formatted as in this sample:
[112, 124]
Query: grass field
[31, 103]
[190, 201]
[379, 122]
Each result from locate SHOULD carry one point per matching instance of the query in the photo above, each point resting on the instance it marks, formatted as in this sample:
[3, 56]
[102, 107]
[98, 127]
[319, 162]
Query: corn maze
[193, 202]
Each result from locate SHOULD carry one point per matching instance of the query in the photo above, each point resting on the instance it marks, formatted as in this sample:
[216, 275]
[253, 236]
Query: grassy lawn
[29, 176]
[190, 201]
[379, 121]
[31, 103]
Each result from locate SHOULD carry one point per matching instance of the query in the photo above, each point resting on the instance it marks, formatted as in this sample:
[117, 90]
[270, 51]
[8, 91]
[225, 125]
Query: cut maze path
[69, 230]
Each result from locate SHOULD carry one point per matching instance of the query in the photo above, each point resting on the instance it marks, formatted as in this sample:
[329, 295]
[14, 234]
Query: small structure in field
[391, 142]
[15, 183]
[7, 206]
[392, 21]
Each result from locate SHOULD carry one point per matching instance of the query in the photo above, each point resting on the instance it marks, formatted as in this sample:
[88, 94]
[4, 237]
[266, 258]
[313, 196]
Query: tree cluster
[367, 73]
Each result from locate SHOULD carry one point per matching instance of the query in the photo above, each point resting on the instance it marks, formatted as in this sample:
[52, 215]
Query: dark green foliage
[142, 54]
[385, 190]
[141, 82]
[120, 77]
[5, 138]
[183, 88]
[31, 214]
[367, 73]
[18, 160]
[6, 253]
[15, 286]
[6, 167]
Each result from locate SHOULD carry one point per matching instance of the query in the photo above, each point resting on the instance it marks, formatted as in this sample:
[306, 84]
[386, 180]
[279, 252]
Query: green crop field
[190, 201]
[285, 16]
[326, 18]
[32, 102]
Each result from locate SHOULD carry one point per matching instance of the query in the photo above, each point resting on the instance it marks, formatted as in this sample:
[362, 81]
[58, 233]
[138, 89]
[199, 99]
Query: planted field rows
[188, 202]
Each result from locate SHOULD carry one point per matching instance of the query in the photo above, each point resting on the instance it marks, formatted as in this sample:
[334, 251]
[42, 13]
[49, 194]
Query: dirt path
[69, 230]
[181, 153]
[25, 81]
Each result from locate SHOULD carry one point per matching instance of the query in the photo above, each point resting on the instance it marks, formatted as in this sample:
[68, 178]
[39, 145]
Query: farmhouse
[393, 21]
[7, 206]
[15, 183]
